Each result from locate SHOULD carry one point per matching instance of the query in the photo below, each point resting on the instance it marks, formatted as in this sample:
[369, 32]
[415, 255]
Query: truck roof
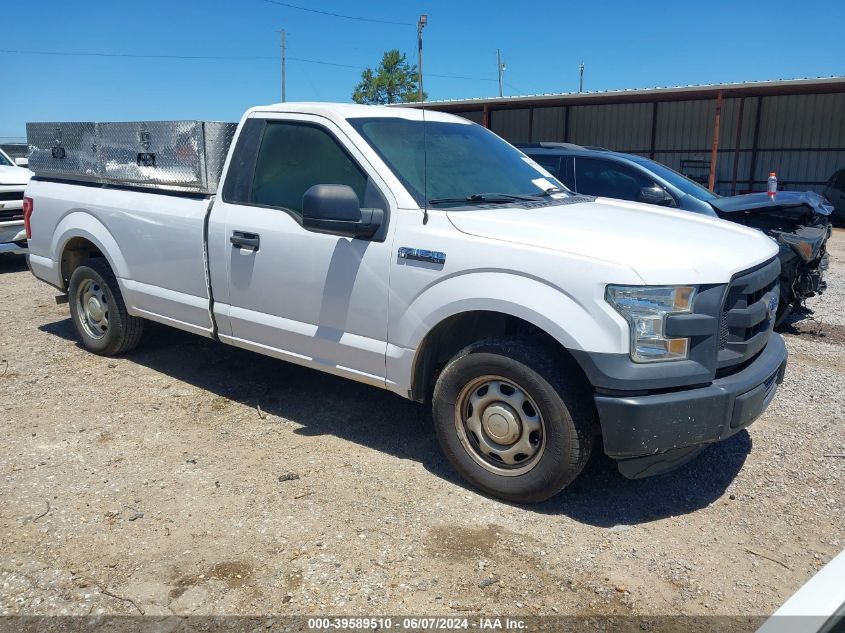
[355, 110]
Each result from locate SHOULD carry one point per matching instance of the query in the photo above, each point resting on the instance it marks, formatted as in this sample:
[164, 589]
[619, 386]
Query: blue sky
[624, 44]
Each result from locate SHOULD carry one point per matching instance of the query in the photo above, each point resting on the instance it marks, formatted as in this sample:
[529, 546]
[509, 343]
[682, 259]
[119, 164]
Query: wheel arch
[480, 304]
[80, 236]
[458, 330]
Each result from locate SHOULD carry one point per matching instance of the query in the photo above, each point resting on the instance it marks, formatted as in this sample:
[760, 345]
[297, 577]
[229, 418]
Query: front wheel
[98, 311]
[511, 419]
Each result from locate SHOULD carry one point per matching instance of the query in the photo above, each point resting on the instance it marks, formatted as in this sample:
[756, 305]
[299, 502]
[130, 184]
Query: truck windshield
[464, 164]
[4, 162]
[687, 185]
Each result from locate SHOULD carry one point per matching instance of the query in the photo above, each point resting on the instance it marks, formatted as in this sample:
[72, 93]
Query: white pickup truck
[13, 179]
[420, 253]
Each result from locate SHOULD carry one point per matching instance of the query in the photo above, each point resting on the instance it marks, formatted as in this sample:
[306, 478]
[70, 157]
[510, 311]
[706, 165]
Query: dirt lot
[188, 477]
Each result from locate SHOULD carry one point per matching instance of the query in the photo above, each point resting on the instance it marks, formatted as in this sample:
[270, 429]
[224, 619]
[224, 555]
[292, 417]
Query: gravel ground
[192, 478]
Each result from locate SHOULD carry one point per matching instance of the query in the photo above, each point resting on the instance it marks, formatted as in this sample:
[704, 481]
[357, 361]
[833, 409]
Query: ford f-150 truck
[420, 253]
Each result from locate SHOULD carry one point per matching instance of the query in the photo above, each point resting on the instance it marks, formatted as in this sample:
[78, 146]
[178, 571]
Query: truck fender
[533, 300]
[80, 223]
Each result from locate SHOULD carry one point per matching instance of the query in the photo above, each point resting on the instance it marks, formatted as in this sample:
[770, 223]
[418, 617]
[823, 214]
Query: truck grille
[747, 318]
[10, 214]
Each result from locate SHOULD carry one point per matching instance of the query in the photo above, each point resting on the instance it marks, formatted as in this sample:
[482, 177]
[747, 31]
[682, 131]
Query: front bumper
[12, 237]
[651, 434]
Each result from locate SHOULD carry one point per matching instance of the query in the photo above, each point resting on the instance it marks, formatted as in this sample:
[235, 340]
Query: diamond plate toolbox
[63, 150]
[170, 155]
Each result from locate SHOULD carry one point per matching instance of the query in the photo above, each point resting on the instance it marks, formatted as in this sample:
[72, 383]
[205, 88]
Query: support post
[651, 150]
[736, 144]
[714, 152]
[753, 168]
[501, 69]
[485, 116]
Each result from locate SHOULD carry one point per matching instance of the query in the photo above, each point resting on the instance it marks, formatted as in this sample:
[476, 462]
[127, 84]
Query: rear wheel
[511, 419]
[98, 311]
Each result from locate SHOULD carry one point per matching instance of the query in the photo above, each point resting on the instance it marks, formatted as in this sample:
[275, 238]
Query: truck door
[311, 298]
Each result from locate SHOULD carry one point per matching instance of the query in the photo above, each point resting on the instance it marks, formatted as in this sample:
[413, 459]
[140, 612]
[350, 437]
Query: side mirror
[657, 195]
[335, 209]
[22, 162]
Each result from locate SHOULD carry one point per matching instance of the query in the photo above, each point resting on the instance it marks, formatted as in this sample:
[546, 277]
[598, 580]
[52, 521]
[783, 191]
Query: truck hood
[662, 246]
[14, 175]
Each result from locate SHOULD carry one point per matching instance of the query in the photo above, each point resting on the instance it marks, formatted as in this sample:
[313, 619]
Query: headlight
[645, 309]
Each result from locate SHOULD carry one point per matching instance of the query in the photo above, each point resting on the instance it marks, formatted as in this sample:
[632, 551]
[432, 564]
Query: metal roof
[661, 93]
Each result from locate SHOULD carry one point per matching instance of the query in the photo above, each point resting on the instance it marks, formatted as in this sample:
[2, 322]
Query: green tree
[393, 81]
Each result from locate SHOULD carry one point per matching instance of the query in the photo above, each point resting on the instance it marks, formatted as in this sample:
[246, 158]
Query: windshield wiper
[495, 198]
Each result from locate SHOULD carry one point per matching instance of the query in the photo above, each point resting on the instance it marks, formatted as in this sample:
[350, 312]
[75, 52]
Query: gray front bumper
[653, 433]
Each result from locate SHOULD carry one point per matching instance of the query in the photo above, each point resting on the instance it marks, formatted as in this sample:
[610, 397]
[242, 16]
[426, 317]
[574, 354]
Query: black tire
[122, 331]
[562, 398]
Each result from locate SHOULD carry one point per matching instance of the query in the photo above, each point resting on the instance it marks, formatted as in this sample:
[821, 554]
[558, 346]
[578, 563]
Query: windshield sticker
[544, 184]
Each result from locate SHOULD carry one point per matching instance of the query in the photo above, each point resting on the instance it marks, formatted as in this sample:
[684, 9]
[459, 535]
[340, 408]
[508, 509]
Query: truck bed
[156, 245]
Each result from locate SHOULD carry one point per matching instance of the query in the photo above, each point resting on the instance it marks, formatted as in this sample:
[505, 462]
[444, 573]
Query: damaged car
[798, 221]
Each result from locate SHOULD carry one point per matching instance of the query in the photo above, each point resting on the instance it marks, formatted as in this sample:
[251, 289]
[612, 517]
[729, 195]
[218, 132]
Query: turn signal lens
[27, 215]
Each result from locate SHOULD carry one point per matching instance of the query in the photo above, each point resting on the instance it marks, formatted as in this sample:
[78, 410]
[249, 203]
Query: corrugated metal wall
[627, 125]
[801, 137]
[511, 124]
[476, 116]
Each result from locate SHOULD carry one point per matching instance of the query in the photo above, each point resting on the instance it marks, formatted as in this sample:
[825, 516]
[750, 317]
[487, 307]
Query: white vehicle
[817, 607]
[420, 253]
[13, 179]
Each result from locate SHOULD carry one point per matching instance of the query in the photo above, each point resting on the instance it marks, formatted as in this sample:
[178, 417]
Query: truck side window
[596, 177]
[242, 166]
[293, 157]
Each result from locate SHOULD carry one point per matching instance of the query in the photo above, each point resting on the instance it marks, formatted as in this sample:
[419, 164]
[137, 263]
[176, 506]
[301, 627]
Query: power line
[217, 58]
[337, 15]
[134, 55]
[514, 88]
[322, 63]
[460, 77]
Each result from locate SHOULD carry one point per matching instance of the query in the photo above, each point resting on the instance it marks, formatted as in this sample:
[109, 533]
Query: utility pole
[581, 81]
[420, 25]
[283, 65]
[501, 69]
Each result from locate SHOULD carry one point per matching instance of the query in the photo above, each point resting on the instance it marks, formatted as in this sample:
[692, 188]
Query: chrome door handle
[243, 239]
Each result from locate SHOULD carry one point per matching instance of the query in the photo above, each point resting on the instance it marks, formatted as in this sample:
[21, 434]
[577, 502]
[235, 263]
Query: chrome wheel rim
[93, 307]
[500, 426]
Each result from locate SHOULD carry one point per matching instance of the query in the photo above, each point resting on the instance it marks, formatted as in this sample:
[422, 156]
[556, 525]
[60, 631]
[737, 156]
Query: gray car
[797, 221]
